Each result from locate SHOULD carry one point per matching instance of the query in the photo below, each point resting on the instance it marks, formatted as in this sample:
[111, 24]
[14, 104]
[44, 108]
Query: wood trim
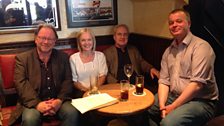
[151, 48]
[16, 47]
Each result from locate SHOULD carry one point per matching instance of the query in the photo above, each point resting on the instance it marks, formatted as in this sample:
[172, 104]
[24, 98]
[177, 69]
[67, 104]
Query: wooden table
[134, 105]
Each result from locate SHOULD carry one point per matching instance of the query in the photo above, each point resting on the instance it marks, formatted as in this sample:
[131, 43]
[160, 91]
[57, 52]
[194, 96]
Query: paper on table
[93, 102]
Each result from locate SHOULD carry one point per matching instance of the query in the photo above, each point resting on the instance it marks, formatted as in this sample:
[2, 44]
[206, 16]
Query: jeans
[193, 113]
[68, 114]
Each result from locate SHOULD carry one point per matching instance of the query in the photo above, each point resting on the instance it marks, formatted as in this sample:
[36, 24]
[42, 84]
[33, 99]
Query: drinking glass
[93, 84]
[139, 84]
[124, 90]
[128, 70]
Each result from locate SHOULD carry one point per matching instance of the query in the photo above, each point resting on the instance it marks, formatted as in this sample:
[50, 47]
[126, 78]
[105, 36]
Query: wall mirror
[24, 15]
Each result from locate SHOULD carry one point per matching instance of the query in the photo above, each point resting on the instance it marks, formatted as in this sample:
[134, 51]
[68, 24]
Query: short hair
[36, 32]
[181, 10]
[85, 30]
[118, 26]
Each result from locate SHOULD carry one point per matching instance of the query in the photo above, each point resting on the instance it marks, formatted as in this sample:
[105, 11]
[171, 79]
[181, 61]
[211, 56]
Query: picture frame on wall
[17, 16]
[87, 13]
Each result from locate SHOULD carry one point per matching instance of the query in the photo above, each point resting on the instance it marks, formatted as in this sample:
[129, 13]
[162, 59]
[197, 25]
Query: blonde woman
[87, 61]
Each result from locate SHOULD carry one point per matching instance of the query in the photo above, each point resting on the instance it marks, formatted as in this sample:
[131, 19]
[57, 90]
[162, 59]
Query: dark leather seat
[217, 121]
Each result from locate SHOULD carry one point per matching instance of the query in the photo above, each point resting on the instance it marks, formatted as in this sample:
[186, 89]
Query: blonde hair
[85, 30]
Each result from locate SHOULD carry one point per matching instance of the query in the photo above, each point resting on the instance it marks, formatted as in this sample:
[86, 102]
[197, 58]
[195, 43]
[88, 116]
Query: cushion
[7, 64]
[6, 112]
[70, 51]
[102, 47]
[217, 121]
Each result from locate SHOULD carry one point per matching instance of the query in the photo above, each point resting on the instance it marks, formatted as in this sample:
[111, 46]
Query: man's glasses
[122, 34]
[44, 39]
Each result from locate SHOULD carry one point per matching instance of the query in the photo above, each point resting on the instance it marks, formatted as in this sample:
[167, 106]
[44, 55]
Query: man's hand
[153, 73]
[56, 104]
[43, 107]
[167, 109]
[51, 111]
[49, 107]
[163, 112]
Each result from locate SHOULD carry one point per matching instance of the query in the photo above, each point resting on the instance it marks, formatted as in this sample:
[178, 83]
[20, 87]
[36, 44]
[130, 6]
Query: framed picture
[85, 13]
[24, 15]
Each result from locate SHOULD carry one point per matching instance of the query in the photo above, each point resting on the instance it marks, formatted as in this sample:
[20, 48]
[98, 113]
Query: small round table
[134, 105]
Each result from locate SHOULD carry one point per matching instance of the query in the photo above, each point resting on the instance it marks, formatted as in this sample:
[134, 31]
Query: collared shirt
[190, 61]
[123, 59]
[48, 90]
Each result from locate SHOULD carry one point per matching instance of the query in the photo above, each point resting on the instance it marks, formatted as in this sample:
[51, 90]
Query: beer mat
[134, 93]
[132, 87]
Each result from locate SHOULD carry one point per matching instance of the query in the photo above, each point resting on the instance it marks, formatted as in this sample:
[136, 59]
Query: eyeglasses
[122, 34]
[44, 39]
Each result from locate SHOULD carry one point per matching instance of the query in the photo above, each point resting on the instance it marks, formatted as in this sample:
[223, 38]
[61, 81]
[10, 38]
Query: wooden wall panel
[16, 47]
[150, 47]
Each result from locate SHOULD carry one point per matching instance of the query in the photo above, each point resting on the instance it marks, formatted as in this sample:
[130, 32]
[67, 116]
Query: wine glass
[128, 70]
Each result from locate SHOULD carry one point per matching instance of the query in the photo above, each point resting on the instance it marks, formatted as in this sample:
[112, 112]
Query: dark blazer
[27, 78]
[139, 64]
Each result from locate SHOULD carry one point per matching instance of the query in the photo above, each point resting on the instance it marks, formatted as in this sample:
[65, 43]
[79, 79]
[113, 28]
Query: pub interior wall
[146, 17]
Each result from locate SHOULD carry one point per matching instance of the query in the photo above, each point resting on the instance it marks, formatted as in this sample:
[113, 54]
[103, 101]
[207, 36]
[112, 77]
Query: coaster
[134, 93]
[132, 87]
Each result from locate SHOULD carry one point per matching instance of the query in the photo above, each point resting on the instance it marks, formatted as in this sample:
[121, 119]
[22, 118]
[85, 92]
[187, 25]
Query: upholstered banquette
[7, 90]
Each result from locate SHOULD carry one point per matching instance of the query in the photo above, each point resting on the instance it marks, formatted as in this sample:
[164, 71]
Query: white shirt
[81, 71]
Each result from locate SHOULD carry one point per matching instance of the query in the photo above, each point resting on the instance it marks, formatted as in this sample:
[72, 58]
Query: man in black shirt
[122, 53]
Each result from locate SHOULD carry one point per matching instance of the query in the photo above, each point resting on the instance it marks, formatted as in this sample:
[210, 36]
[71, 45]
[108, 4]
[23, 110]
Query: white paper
[93, 102]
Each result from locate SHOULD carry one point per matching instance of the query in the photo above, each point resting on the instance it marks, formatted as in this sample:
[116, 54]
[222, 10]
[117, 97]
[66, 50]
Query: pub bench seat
[217, 121]
[8, 96]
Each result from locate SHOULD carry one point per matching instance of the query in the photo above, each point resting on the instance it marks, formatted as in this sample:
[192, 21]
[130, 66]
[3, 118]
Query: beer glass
[139, 84]
[124, 90]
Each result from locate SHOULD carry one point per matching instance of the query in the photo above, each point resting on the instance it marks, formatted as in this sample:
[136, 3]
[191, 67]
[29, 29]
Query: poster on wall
[86, 13]
[24, 15]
